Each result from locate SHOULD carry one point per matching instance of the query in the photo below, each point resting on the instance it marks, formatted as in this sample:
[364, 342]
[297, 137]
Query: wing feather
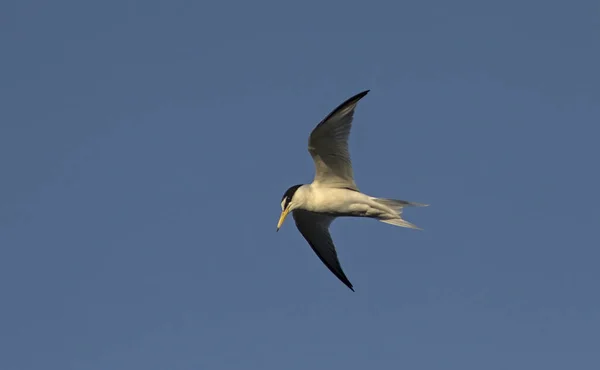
[328, 146]
[314, 227]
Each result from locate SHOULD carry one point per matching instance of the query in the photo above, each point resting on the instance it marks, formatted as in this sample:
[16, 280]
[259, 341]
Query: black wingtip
[353, 100]
[349, 101]
[359, 96]
[346, 282]
[340, 275]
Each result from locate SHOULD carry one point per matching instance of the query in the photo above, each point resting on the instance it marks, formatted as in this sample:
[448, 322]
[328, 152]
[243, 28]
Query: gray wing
[328, 146]
[314, 227]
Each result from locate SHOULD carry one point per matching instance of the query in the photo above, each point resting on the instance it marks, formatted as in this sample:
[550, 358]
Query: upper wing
[315, 229]
[328, 146]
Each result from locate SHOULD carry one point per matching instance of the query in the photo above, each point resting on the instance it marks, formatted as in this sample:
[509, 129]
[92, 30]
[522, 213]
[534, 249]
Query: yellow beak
[283, 216]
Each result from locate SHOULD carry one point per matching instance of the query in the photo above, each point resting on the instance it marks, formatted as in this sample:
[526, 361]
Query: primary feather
[328, 146]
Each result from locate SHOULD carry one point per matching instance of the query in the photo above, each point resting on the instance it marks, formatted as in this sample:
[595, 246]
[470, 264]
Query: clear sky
[145, 147]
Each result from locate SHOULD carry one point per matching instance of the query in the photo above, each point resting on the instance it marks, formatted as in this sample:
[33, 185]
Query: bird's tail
[397, 206]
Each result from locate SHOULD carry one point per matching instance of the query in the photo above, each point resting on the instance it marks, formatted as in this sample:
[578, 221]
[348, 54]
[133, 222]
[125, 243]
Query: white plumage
[333, 192]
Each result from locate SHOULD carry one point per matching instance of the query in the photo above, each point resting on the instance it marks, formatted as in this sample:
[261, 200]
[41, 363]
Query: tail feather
[397, 205]
[401, 222]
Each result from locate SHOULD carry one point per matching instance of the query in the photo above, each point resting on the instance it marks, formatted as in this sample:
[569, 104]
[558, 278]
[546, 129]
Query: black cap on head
[289, 194]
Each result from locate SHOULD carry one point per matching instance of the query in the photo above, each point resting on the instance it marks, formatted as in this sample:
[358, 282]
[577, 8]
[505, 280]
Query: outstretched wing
[328, 146]
[315, 229]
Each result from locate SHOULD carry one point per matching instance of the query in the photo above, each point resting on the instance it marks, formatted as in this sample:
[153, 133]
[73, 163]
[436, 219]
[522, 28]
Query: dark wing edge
[328, 145]
[349, 101]
[309, 221]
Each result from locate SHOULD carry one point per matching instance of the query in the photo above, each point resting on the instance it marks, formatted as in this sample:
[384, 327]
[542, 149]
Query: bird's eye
[283, 203]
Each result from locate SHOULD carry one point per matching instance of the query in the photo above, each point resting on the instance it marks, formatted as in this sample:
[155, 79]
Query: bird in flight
[333, 192]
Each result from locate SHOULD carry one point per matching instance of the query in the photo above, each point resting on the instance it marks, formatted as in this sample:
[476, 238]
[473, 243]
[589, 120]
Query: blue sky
[145, 147]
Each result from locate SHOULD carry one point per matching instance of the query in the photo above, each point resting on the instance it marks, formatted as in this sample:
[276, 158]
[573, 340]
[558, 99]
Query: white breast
[342, 202]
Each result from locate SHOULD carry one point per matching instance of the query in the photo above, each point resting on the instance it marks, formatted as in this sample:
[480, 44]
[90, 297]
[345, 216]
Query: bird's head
[288, 203]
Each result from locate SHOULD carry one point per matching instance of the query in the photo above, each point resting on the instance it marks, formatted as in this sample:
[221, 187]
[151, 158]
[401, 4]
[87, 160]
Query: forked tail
[396, 206]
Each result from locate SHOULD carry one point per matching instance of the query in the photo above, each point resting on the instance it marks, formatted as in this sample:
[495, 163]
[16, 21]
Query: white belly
[342, 202]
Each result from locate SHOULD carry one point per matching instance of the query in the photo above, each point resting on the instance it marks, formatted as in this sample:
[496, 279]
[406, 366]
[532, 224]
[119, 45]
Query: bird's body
[339, 202]
[333, 192]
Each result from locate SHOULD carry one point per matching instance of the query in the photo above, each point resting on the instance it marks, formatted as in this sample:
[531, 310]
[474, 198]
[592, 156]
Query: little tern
[333, 192]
